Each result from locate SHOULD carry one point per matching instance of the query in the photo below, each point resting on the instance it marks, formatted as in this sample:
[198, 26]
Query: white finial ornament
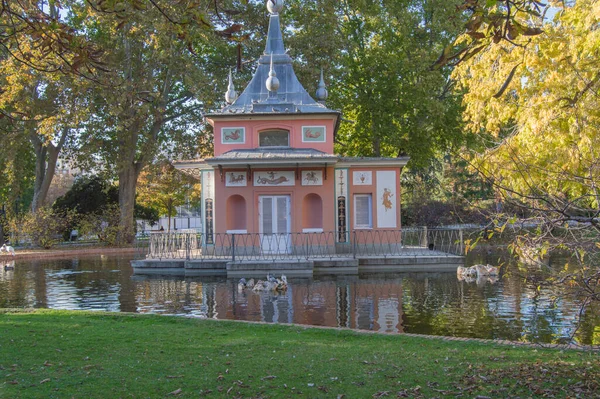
[231, 94]
[272, 82]
[322, 93]
[274, 6]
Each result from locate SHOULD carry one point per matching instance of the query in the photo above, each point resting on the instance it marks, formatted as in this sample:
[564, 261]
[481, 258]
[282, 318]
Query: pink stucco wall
[297, 195]
[372, 189]
[252, 127]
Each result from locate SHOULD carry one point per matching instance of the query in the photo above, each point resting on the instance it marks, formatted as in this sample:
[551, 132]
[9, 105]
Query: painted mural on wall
[386, 199]
[312, 177]
[362, 178]
[233, 135]
[235, 179]
[284, 178]
[341, 191]
[313, 134]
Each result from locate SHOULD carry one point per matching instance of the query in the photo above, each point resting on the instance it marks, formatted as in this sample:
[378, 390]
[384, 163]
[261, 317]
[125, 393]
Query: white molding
[312, 230]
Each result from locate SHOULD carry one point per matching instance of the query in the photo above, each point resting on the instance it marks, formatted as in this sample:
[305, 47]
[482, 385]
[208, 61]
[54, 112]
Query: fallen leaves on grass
[269, 377]
[381, 394]
[549, 379]
[44, 381]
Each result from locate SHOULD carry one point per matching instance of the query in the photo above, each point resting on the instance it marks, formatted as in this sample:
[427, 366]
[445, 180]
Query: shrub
[104, 224]
[44, 227]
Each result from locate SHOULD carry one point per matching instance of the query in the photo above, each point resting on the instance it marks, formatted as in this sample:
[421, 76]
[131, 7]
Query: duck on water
[270, 284]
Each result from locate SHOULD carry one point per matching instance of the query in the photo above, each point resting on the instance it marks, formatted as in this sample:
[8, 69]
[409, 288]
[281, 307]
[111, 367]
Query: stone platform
[294, 267]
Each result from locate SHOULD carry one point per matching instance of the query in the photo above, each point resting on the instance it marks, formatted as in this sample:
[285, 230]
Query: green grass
[63, 354]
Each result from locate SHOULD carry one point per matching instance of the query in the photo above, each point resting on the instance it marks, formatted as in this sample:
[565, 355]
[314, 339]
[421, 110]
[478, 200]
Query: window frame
[370, 210]
[274, 146]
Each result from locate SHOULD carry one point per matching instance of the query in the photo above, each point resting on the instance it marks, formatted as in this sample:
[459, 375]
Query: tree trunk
[46, 157]
[170, 211]
[40, 175]
[127, 185]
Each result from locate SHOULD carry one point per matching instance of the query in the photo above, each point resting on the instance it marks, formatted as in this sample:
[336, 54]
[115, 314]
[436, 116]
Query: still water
[422, 303]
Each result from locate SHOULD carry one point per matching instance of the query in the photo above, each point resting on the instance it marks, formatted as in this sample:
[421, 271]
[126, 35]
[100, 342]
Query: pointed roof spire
[272, 82]
[274, 88]
[322, 90]
[274, 37]
[231, 94]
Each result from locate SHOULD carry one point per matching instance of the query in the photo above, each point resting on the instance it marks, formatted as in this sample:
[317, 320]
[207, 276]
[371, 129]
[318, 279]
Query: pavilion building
[274, 172]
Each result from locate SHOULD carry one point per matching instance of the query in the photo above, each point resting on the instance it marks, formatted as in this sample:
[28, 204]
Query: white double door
[274, 218]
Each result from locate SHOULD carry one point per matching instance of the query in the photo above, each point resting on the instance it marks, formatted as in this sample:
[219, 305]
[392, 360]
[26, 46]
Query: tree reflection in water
[423, 303]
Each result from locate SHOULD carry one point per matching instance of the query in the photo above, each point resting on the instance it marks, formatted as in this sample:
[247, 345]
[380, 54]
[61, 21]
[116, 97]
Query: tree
[91, 200]
[534, 95]
[153, 111]
[41, 109]
[144, 68]
[162, 187]
[378, 56]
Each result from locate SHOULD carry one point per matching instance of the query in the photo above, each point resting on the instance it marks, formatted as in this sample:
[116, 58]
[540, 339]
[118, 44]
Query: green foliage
[103, 223]
[92, 200]
[146, 213]
[88, 195]
[163, 188]
[43, 228]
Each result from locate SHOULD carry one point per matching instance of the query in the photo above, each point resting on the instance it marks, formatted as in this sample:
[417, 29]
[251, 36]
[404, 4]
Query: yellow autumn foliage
[545, 126]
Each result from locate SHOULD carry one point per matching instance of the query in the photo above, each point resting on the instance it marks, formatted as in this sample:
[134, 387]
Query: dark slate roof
[291, 97]
[268, 155]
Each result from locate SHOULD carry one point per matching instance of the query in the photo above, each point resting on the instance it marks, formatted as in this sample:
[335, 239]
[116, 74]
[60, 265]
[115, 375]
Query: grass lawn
[63, 354]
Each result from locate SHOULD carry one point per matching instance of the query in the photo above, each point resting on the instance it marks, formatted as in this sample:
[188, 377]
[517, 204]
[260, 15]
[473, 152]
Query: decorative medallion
[312, 177]
[285, 178]
[235, 179]
[362, 178]
[313, 134]
[233, 135]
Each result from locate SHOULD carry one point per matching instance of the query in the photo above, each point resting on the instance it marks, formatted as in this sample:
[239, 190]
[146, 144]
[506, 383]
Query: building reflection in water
[425, 303]
[345, 302]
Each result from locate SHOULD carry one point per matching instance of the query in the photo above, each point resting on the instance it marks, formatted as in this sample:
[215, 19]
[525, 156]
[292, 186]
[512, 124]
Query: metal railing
[191, 245]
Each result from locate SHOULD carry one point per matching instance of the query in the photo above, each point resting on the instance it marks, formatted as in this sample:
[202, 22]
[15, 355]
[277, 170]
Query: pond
[421, 303]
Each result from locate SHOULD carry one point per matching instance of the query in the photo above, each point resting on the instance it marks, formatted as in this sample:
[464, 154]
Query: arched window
[312, 212]
[236, 213]
[274, 138]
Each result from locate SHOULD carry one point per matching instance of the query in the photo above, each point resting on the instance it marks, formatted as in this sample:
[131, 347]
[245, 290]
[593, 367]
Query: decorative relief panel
[233, 135]
[208, 195]
[362, 178]
[270, 179]
[235, 179]
[312, 177]
[386, 199]
[313, 134]
[341, 191]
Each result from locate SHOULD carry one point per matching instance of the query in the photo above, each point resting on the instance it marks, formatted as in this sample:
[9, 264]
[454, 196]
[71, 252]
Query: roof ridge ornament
[272, 82]
[322, 93]
[274, 6]
[231, 94]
